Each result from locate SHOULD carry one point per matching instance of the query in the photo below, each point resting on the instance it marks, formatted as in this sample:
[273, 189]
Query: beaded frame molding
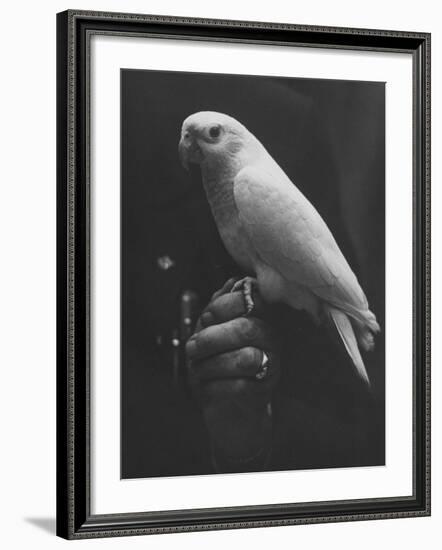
[74, 518]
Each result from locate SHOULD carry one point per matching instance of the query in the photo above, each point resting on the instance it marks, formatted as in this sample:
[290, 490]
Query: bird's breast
[236, 242]
[222, 204]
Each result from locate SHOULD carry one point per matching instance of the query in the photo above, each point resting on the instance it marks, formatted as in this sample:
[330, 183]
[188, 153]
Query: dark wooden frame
[74, 519]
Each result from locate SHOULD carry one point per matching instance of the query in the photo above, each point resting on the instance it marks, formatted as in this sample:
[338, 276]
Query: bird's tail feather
[345, 331]
[364, 318]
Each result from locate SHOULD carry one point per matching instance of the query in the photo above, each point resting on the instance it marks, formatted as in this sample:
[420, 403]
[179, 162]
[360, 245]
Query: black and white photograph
[252, 273]
[243, 274]
[221, 268]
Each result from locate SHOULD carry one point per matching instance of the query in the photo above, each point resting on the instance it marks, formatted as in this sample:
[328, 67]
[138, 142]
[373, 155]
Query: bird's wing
[289, 235]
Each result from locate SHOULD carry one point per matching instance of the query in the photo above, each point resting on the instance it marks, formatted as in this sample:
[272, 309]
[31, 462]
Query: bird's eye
[214, 131]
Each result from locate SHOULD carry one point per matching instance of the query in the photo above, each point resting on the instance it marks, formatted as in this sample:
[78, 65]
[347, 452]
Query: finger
[224, 308]
[221, 309]
[206, 320]
[234, 334]
[242, 362]
[227, 287]
[229, 306]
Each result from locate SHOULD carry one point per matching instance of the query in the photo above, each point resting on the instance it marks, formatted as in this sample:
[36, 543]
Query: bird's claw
[246, 286]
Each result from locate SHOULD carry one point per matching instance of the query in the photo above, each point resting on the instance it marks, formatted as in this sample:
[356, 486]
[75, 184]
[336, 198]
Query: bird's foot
[246, 286]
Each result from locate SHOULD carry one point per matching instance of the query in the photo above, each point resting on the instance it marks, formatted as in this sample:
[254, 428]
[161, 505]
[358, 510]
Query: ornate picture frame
[75, 516]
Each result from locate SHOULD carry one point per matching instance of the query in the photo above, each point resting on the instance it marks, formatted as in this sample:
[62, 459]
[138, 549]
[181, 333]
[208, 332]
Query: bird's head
[208, 136]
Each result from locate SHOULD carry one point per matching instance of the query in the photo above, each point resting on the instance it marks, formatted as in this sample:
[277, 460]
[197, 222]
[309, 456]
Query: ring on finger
[264, 367]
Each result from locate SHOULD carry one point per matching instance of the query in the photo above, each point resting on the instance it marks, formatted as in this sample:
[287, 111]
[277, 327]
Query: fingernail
[207, 319]
[190, 347]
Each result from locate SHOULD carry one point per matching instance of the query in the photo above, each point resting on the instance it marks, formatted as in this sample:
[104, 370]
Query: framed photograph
[243, 274]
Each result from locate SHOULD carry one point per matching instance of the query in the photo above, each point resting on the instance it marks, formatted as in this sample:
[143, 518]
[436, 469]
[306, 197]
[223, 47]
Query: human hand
[225, 354]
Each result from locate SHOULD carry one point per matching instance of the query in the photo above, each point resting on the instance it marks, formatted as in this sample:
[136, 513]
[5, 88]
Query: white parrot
[273, 232]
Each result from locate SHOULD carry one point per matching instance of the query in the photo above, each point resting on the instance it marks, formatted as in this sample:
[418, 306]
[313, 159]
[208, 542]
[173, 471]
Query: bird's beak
[189, 151]
[184, 154]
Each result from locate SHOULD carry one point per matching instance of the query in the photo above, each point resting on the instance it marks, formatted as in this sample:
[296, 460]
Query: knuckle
[213, 297]
[249, 328]
[242, 324]
[213, 309]
[207, 340]
[199, 344]
[190, 346]
[207, 318]
[201, 341]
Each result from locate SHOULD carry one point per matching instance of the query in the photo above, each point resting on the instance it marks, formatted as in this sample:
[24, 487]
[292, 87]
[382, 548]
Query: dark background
[329, 137]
